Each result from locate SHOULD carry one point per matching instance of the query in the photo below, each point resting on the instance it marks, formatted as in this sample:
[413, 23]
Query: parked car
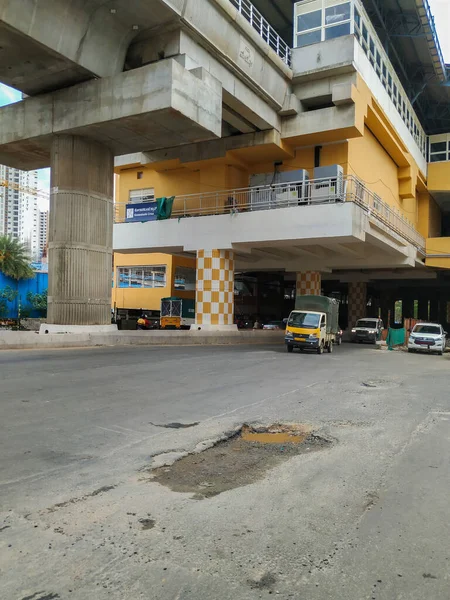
[274, 325]
[429, 337]
[367, 330]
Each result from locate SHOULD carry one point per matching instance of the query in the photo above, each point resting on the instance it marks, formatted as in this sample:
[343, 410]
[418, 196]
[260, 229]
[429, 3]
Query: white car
[429, 337]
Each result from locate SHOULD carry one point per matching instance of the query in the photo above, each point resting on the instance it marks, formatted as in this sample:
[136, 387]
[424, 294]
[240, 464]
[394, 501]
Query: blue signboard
[147, 211]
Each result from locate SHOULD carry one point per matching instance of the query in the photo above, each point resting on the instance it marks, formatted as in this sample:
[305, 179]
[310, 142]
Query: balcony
[266, 31]
[315, 192]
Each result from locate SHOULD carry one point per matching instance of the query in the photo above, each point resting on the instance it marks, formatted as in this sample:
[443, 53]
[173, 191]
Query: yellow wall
[149, 299]
[439, 177]
[370, 162]
[440, 245]
[429, 216]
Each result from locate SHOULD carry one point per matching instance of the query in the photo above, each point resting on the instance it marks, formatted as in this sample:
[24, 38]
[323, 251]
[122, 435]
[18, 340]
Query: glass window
[305, 320]
[305, 39]
[438, 157]
[365, 33]
[427, 329]
[185, 278]
[142, 195]
[337, 31]
[357, 18]
[372, 46]
[309, 20]
[438, 147]
[141, 277]
[337, 14]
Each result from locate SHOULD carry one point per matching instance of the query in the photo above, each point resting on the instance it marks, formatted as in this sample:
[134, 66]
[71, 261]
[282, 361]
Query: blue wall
[37, 285]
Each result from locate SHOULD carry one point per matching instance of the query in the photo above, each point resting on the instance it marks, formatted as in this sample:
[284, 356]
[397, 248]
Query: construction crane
[26, 190]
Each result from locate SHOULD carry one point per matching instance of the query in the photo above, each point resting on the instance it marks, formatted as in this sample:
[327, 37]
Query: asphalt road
[365, 518]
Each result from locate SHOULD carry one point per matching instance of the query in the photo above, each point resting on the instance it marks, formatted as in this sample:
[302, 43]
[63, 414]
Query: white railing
[284, 195]
[264, 29]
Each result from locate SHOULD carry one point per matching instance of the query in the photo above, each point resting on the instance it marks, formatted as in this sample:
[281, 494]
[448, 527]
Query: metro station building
[305, 144]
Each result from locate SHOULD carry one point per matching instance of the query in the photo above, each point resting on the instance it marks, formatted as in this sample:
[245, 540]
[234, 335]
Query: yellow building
[345, 186]
[140, 281]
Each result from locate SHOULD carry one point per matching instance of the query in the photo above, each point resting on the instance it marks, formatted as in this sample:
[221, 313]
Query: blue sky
[440, 9]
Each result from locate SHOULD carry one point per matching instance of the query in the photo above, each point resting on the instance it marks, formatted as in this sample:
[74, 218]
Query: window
[185, 278]
[143, 195]
[141, 277]
[337, 31]
[309, 21]
[337, 14]
[438, 147]
[140, 175]
[306, 39]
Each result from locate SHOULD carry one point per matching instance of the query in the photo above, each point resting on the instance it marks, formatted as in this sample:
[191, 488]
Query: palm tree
[14, 259]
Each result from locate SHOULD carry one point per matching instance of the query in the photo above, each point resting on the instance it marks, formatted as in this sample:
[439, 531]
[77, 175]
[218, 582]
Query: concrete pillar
[422, 312]
[408, 306]
[214, 296]
[309, 283]
[434, 309]
[357, 301]
[80, 232]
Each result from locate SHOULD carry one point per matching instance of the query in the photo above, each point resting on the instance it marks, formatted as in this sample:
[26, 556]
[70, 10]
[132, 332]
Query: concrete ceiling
[52, 44]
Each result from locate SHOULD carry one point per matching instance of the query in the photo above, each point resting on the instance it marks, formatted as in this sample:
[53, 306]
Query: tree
[14, 259]
[38, 301]
[7, 295]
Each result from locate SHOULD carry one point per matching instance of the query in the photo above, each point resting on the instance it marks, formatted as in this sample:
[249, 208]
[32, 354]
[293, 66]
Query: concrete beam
[51, 44]
[137, 110]
[325, 124]
[247, 147]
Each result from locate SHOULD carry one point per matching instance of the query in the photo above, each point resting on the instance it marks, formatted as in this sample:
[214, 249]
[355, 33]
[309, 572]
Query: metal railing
[264, 29]
[284, 195]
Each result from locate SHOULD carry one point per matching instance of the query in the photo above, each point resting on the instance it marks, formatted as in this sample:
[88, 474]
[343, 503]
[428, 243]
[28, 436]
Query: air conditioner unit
[261, 193]
[294, 189]
[328, 184]
[284, 188]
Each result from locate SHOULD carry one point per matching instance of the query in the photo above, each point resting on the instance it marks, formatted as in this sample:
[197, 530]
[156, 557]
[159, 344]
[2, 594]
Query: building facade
[349, 189]
[43, 233]
[140, 281]
[307, 139]
[20, 216]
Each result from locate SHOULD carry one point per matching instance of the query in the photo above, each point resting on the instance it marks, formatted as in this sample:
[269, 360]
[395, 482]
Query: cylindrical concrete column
[309, 283]
[357, 301]
[80, 232]
[214, 291]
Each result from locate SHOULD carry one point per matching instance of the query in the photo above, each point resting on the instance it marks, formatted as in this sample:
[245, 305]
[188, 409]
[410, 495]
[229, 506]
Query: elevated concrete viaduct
[110, 78]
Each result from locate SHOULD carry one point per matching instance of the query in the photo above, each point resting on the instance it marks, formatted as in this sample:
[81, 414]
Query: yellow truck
[313, 324]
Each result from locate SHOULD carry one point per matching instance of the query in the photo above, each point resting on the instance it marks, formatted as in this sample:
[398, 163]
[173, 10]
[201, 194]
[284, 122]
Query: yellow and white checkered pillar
[214, 298]
[357, 301]
[309, 283]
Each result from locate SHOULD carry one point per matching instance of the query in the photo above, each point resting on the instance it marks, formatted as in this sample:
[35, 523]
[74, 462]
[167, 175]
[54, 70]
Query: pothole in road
[239, 460]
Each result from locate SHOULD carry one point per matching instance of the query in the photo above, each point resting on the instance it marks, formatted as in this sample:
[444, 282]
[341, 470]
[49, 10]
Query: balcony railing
[266, 31]
[294, 194]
